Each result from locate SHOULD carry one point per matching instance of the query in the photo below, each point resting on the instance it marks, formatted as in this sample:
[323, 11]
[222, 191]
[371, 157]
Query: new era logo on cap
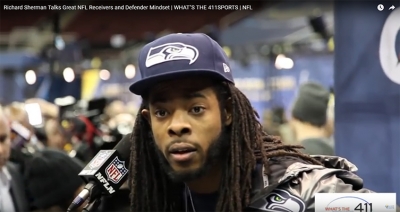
[178, 56]
[171, 51]
[226, 68]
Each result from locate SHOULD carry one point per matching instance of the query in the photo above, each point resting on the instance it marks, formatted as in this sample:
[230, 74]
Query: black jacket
[298, 182]
[17, 186]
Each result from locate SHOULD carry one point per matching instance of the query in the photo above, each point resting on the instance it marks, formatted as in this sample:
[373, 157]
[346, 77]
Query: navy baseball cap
[178, 56]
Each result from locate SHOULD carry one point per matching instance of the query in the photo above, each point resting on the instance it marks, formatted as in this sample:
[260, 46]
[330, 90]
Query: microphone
[105, 173]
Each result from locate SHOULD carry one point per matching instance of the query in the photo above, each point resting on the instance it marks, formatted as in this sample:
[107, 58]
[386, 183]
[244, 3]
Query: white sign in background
[357, 202]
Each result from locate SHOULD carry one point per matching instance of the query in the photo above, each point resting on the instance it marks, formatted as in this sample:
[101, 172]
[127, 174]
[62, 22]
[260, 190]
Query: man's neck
[306, 131]
[209, 183]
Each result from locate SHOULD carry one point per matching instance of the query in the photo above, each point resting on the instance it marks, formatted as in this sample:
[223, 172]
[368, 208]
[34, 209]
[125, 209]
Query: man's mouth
[182, 152]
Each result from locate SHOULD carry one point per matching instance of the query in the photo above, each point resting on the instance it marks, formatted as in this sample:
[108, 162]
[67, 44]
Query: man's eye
[197, 110]
[3, 138]
[160, 113]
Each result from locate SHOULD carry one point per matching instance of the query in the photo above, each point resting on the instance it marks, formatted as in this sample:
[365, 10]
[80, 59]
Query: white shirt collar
[5, 175]
[5, 196]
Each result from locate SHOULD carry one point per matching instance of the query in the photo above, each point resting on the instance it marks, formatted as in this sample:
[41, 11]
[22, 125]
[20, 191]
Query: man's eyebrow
[194, 95]
[160, 98]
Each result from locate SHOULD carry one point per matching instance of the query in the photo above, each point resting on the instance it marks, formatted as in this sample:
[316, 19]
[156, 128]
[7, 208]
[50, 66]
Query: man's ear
[228, 111]
[146, 114]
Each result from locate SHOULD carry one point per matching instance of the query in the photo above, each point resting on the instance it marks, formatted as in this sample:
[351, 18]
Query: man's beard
[216, 152]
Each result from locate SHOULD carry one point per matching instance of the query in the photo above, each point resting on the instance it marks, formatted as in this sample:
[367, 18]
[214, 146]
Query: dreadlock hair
[152, 190]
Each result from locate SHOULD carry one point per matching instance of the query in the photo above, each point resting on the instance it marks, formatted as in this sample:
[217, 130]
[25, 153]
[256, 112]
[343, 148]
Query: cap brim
[142, 86]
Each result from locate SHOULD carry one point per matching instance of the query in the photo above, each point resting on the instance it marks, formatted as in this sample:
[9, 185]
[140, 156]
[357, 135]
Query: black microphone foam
[109, 168]
[124, 148]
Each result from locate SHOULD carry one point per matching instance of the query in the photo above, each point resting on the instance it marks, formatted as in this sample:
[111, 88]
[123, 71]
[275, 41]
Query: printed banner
[90, 82]
[367, 90]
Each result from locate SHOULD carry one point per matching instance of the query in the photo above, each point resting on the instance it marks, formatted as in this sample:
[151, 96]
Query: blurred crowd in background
[64, 87]
[50, 144]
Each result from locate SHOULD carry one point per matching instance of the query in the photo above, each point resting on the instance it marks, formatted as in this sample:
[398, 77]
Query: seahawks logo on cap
[281, 200]
[170, 52]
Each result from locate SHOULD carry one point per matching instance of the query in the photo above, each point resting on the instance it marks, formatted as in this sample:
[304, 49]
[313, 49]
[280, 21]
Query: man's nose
[179, 125]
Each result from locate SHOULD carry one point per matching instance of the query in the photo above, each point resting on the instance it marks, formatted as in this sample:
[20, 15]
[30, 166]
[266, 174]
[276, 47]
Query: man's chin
[186, 175]
[184, 170]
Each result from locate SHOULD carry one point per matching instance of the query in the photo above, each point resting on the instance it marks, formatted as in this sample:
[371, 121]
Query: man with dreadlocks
[197, 145]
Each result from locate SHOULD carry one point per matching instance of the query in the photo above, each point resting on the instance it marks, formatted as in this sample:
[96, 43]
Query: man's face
[189, 128]
[55, 138]
[5, 143]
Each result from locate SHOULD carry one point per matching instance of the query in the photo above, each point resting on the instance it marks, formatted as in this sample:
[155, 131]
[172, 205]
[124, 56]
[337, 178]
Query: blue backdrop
[253, 80]
[258, 72]
[53, 87]
[367, 100]
[315, 67]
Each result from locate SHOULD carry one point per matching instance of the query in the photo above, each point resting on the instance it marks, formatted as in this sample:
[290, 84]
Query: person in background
[16, 112]
[52, 180]
[285, 131]
[114, 108]
[275, 123]
[49, 110]
[268, 123]
[23, 135]
[12, 194]
[309, 119]
[330, 122]
[56, 138]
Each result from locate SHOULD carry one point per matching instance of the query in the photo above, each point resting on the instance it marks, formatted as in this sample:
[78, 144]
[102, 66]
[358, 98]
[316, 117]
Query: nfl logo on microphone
[116, 171]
